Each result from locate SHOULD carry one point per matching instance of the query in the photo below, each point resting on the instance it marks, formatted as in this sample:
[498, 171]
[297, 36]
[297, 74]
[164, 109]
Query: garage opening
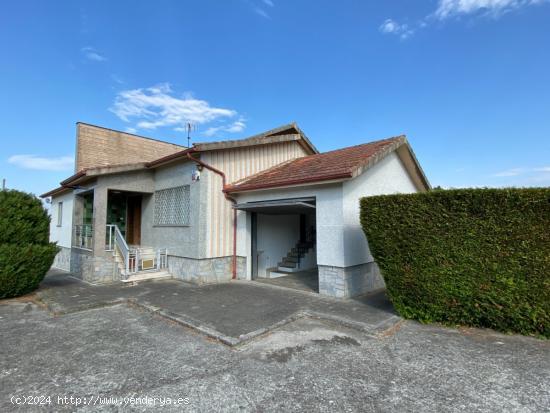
[284, 242]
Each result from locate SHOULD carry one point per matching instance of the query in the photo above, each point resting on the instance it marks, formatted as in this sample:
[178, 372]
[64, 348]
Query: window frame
[60, 214]
[187, 199]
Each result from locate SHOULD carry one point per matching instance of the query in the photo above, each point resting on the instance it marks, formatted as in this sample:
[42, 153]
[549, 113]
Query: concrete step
[147, 275]
[290, 258]
[283, 268]
[275, 273]
[289, 264]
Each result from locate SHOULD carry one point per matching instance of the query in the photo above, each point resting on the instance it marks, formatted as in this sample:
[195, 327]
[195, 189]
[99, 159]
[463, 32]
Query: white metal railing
[134, 259]
[110, 238]
[124, 250]
[83, 236]
[162, 258]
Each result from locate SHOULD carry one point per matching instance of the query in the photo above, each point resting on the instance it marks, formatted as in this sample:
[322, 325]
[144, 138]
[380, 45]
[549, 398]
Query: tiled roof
[338, 164]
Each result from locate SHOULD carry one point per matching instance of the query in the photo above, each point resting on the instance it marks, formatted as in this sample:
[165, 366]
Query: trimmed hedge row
[477, 257]
[25, 253]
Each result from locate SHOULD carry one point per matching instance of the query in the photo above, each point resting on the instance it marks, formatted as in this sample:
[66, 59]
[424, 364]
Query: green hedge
[477, 257]
[22, 268]
[23, 220]
[25, 253]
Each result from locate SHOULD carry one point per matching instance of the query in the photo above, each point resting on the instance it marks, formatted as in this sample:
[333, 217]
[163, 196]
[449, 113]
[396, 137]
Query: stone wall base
[346, 282]
[102, 269]
[206, 270]
[62, 260]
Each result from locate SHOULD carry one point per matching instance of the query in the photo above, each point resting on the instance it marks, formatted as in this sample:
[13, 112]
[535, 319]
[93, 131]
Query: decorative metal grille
[172, 206]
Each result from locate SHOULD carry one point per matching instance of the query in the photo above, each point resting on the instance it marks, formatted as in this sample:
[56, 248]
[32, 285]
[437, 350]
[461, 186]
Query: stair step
[276, 273]
[291, 259]
[287, 264]
[147, 275]
[285, 269]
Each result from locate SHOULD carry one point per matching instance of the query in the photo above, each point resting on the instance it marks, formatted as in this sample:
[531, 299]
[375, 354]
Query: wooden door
[133, 230]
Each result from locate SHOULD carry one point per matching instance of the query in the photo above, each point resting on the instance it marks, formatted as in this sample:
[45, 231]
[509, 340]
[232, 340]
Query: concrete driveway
[102, 356]
[231, 312]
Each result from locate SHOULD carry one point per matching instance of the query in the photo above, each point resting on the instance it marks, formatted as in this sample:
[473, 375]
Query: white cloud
[446, 9]
[62, 163]
[450, 8]
[510, 172]
[91, 54]
[392, 27]
[261, 12]
[235, 127]
[268, 3]
[533, 173]
[157, 106]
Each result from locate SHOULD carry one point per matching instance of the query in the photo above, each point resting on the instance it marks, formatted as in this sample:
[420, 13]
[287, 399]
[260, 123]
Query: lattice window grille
[172, 206]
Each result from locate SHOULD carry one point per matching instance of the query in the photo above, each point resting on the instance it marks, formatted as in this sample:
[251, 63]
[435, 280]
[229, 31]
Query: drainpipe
[233, 201]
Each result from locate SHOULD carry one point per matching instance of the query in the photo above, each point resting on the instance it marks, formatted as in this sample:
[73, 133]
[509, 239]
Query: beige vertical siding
[237, 163]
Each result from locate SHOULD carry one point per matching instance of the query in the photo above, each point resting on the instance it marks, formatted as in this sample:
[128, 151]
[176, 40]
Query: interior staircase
[291, 263]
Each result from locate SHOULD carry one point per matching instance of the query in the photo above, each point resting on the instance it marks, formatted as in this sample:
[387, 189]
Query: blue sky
[468, 81]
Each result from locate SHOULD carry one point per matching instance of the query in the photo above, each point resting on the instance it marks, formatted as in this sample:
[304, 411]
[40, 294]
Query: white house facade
[268, 206]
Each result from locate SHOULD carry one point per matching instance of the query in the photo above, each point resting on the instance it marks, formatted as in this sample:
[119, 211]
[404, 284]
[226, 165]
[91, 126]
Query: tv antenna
[190, 127]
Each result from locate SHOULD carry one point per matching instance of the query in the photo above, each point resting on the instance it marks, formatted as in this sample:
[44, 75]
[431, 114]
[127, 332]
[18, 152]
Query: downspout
[233, 201]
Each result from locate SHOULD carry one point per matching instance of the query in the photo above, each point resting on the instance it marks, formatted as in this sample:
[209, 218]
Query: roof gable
[285, 133]
[339, 164]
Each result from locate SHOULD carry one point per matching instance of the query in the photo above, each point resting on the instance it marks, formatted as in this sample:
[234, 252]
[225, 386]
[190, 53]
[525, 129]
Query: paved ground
[230, 311]
[303, 280]
[306, 365]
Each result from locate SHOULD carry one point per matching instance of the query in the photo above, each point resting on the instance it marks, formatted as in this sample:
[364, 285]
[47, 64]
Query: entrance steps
[147, 275]
[144, 255]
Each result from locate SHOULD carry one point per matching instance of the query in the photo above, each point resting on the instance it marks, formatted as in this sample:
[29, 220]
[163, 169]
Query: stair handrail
[122, 246]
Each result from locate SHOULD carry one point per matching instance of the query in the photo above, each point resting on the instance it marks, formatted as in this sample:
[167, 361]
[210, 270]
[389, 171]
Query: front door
[133, 227]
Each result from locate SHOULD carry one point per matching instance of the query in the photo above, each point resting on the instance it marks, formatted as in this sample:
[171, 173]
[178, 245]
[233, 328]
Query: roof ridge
[362, 144]
[257, 135]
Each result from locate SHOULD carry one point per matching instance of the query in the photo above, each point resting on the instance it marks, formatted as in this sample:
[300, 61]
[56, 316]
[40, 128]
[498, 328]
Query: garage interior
[283, 242]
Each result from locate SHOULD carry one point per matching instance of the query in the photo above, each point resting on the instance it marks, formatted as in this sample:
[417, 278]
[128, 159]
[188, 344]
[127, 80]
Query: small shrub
[477, 257]
[25, 253]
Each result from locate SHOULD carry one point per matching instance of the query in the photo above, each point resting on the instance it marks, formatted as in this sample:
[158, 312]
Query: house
[266, 206]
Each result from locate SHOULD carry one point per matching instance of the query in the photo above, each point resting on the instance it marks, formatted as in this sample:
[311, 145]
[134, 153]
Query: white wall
[277, 234]
[388, 176]
[340, 238]
[62, 234]
[329, 217]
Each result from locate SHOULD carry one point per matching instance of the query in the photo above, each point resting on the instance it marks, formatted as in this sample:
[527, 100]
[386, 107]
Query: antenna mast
[190, 128]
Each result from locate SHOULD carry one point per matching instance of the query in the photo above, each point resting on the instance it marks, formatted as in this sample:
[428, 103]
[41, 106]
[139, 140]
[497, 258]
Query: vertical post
[4, 184]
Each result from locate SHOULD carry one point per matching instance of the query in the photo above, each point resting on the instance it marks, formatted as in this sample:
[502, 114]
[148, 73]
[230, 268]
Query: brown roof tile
[338, 164]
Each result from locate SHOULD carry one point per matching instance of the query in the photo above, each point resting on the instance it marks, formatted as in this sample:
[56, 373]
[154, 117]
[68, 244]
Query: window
[172, 206]
[59, 214]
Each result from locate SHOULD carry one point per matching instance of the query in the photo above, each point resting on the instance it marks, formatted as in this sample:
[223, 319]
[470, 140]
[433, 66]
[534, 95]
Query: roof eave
[170, 158]
[291, 183]
[55, 191]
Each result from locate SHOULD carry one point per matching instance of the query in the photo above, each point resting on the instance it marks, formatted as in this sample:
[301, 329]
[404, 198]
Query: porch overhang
[279, 206]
